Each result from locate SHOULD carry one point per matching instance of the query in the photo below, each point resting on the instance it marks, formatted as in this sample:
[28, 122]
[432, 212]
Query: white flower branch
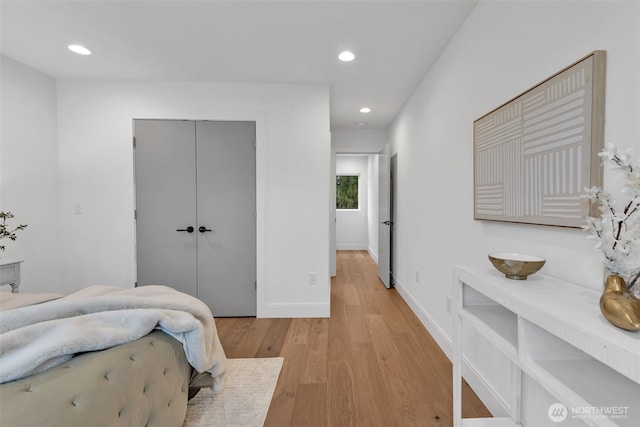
[617, 232]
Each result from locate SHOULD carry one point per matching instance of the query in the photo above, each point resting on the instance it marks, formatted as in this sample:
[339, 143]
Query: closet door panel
[166, 202]
[226, 195]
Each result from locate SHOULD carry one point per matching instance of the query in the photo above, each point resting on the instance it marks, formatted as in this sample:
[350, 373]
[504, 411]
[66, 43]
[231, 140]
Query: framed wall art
[535, 154]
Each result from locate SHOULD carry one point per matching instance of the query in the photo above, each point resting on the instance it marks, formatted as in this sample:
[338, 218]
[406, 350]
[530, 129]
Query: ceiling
[395, 43]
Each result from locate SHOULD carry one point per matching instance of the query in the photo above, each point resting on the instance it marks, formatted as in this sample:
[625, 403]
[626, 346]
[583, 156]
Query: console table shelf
[553, 334]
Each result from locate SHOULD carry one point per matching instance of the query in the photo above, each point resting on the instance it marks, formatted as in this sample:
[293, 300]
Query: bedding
[55, 348]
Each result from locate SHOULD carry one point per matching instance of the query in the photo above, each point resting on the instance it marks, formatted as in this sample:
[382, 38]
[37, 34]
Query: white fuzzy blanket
[38, 337]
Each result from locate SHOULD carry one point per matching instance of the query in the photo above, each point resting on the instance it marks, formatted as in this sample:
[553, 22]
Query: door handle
[189, 229]
[202, 229]
[386, 222]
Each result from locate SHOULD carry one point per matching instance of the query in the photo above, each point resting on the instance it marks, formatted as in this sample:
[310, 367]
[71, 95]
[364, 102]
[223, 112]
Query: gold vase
[619, 306]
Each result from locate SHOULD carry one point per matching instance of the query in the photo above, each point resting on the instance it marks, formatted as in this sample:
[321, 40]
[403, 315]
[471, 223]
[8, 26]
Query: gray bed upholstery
[141, 383]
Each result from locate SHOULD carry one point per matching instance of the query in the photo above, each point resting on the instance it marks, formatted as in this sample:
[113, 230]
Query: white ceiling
[395, 43]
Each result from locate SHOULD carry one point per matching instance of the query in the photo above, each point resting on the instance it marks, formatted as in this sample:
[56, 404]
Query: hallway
[371, 364]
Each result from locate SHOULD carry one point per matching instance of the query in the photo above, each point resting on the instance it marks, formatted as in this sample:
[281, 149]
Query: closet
[195, 184]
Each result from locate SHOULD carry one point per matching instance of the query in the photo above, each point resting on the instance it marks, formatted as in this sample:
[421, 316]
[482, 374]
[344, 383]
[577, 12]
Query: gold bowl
[516, 266]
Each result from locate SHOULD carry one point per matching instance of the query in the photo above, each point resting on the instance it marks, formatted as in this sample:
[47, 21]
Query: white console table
[10, 274]
[553, 334]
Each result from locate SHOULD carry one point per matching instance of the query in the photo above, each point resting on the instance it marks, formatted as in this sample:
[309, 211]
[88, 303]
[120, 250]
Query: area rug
[244, 400]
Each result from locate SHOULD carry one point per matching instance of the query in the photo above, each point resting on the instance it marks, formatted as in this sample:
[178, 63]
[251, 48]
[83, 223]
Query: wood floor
[371, 364]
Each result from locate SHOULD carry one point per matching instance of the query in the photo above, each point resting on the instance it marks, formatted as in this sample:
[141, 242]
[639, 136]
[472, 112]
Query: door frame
[332, 216]
[393, 215]
[261, 181]
[364, 151]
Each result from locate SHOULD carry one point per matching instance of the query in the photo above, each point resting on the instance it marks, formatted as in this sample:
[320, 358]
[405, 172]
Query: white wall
[29, 173]
[352, 231]
[69, 142]
[293, 141]
[502, 49]
[359, 141]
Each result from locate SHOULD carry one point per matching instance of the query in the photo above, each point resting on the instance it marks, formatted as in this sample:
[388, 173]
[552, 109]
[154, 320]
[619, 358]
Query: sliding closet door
[226, 194]
[165, 165]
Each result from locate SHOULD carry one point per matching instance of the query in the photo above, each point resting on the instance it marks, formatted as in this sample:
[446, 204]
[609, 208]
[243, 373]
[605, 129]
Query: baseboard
[476, 381]
[427, 321]
[373, 254]
[293, 310]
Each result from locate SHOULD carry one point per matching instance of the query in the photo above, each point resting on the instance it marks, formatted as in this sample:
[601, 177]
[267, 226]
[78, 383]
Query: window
[347, 192]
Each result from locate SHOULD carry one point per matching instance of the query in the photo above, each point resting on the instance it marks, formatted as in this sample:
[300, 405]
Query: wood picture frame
[535, 154]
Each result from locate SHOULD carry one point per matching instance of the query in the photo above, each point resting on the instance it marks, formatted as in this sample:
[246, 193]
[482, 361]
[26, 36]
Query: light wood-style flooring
[372, 363]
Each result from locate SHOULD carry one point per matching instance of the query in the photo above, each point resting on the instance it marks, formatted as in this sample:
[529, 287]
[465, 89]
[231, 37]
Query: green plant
[5, 231]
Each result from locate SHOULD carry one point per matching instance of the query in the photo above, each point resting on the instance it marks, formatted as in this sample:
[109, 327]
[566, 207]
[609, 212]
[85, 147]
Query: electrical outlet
[313, 278]
[77, 208]
[449, 303]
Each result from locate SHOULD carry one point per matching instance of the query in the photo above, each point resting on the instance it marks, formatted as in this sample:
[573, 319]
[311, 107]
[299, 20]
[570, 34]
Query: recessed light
[346, 56]
[79, 49]
[365, 110]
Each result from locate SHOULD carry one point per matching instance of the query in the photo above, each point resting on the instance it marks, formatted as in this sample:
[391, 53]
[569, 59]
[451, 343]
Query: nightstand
[10, 274]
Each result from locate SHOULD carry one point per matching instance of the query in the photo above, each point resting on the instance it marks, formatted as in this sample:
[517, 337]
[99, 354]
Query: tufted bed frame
[142, 383]
[145, 382]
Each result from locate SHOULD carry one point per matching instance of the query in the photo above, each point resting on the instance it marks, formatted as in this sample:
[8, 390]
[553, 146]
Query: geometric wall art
[535, 154]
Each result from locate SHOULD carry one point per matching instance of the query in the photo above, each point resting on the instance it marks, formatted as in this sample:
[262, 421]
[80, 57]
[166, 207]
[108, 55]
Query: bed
[105, 356]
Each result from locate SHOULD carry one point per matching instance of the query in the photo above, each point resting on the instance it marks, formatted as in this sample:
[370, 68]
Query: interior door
[384, 228]
[165, 163]
[226, 194]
